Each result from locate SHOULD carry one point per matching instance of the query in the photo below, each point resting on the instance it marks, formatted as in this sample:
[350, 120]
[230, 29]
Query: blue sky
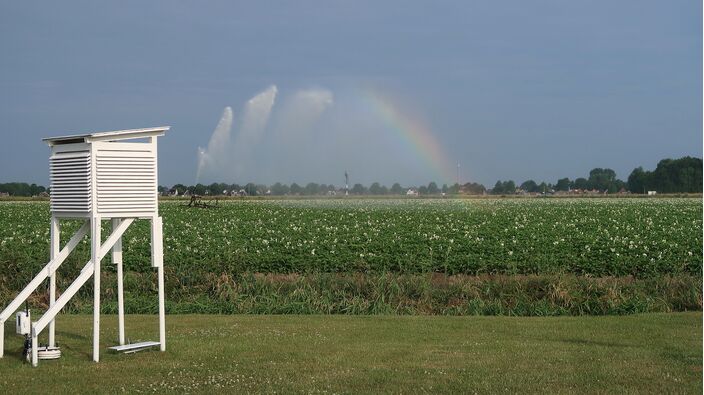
[513, 90]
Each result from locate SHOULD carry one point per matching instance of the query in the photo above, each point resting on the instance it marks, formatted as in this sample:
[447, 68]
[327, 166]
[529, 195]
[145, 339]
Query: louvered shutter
[71, 181]
[126, 180]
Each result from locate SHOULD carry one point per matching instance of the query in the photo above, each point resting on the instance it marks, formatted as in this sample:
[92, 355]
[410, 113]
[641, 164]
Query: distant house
[4, 194]
[412, 192]
[651, 193]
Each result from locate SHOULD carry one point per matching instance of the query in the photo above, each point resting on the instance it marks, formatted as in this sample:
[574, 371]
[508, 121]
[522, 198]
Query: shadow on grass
[585, 342]
[71, 335]
[15, 354]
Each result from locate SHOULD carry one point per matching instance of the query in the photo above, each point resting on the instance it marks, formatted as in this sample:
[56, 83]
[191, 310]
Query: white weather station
[95, 177]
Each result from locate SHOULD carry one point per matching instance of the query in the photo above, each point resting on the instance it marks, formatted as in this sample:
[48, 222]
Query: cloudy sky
[387, 90]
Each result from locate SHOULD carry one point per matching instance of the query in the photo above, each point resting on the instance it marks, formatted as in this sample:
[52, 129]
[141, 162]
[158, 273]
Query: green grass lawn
[291, 353]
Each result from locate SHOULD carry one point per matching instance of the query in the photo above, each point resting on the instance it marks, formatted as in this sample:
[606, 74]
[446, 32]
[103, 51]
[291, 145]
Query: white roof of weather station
[114, 135]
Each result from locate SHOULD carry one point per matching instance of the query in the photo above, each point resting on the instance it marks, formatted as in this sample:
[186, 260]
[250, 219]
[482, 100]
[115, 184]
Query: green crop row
[610, 237]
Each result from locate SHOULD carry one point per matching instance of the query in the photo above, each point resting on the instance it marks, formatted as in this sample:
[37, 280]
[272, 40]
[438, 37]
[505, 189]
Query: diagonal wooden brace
[48, 270]
[85, 274]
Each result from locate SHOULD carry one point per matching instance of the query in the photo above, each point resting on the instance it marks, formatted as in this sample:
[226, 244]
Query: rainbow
[415, 133]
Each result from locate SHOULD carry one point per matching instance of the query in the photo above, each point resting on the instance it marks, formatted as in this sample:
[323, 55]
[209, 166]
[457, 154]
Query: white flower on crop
[510, 253]
[313, 252]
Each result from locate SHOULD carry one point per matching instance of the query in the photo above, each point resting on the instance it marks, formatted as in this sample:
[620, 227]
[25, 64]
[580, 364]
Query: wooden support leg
[55, 240]
[117, 260]
[35, 347]
[95, 258]
[158, 262]
[162, 313]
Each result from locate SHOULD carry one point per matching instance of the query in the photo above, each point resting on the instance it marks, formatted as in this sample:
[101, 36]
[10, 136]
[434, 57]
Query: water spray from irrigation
[215, 156]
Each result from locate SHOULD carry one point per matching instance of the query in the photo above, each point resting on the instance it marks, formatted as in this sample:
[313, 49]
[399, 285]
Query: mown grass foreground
[647, 353]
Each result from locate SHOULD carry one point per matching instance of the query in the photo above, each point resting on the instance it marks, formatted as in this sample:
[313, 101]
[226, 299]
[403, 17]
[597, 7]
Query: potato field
[208, 251]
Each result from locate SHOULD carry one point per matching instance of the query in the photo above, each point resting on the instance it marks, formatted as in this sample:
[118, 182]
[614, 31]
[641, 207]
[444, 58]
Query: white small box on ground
[23, 326]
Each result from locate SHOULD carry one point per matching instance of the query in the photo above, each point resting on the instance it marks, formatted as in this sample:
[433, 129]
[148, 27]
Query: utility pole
[458, 177]
[347, 183]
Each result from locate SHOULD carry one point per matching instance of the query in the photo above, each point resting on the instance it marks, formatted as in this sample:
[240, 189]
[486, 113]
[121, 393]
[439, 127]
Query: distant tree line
[602, 180]
[682, 175]
[21, 189]
[670, 176]
[310, 189]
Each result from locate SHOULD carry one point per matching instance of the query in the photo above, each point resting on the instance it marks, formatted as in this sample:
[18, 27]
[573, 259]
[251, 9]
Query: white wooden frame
[120, 214]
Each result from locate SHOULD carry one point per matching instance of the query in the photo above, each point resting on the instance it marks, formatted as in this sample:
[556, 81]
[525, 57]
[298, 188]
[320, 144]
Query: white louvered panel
[125, 181]
[70, 181]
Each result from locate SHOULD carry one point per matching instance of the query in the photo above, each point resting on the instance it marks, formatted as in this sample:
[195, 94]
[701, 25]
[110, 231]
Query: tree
[279, 189]
[677, 175]
[509, 187]
[358, 189]
[22, 189]
[563, 184]
[296, 189]
[214, 189]
[180, 188]
[637, 180]
[670, 176]
[396, 189]
[375, 189]
[433, 188]
[543, 188]
[251, 189]
[311, 189]
[474, 188]
[504, 188]
[530, 186]
[581, 183]
[199, 189]
[498, 188]
[324, 189]
[423, 190]
[602, 179]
